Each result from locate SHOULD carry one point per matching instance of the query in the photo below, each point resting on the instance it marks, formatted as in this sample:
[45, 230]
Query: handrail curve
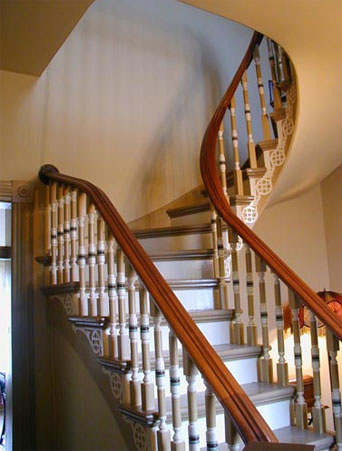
[244, 415]
[211, 179]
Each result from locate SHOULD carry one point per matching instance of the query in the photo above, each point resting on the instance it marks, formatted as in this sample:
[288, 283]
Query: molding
[60, 289]
[90, 322]
[137, 415]
[16, 191]
[114, 366]
[236, 200]
[21, 395]
[267, 145]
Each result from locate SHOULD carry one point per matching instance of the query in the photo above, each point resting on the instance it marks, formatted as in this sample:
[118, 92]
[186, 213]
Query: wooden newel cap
[43, 173]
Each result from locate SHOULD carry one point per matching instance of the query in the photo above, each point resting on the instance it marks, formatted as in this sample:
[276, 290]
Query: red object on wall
[333, 301]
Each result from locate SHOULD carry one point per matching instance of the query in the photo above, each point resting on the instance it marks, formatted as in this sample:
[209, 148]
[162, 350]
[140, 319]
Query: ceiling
[32, 31]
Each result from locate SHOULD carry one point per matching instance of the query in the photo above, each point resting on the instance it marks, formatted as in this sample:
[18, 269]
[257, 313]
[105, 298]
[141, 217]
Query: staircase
[181, 319]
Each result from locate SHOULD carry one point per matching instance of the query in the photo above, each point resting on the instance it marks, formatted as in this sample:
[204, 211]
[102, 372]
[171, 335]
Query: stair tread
[192, 283]
[197, 315]
[199, 207]
[291, 434]
[182, 254]
[294, 435]
[226, 351]
[211, 314]
[74, 287]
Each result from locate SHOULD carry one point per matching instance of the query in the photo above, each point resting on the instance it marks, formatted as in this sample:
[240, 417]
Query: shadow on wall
[196, 99]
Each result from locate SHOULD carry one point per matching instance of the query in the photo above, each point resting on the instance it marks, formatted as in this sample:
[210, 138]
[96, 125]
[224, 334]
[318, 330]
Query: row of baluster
[83, 250]
[281, 76]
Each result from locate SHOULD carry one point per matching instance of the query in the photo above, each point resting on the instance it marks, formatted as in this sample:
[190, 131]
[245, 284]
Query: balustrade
[89, 246]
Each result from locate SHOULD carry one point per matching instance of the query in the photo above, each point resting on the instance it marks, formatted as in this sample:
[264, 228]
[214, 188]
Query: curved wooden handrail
[244, 415]
[213, 186]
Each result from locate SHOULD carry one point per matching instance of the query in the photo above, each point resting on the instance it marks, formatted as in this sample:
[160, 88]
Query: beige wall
[331, 188]
[125, 101]
[295, 231]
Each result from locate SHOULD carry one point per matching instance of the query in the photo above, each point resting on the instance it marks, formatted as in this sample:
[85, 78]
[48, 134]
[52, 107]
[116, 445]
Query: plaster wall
[295, 231]
[331, 188]
[125, 102]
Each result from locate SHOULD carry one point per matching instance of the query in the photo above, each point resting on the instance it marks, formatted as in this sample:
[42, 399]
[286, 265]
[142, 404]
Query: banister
[211, 179]
[244, 415]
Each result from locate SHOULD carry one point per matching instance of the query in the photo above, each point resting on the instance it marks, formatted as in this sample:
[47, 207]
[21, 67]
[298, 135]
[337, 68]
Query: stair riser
[191, 298]
[194, 218]
[179, 242]
[244, 371]
[216, 333]
[186, 269]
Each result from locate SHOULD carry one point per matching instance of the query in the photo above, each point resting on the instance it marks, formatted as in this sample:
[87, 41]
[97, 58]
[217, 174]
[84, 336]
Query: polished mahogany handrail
[244, 415]
[211, 179]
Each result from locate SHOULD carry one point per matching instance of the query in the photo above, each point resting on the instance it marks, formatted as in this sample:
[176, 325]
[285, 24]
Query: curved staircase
[180, 319]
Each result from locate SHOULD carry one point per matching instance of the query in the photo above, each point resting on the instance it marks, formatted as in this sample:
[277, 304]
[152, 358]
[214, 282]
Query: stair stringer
[109, 383]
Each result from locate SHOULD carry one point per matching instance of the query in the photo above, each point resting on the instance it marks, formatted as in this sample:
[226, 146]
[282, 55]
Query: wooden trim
[188, 210]
[237, 199]
[60, 289]
[267, 145]
[116, 366]
[23, 372]
[5, 252]
[146, 418]
[236, 403]
[212, 184]
[16, 191]
[93, 322]
[44, 260]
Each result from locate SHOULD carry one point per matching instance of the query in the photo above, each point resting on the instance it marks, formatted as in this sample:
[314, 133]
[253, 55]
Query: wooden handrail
[244, 415]
[213, 186]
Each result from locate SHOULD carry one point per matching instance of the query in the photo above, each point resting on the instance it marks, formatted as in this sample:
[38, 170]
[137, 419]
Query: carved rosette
[16, 191]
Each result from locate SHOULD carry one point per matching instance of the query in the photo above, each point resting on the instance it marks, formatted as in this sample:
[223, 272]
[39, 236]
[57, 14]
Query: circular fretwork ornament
[249, 214]
[278, 157]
